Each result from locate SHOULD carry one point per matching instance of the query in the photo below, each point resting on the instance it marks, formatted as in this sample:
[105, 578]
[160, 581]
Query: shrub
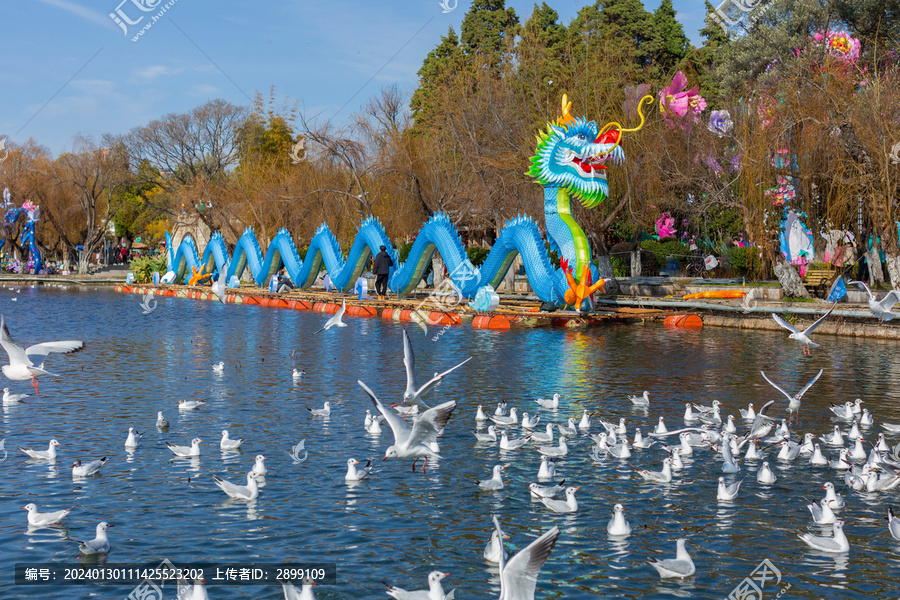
[618, 266]
[745, 261]
[477, 255]
[144, 266]
[670, 247]
[403, 249]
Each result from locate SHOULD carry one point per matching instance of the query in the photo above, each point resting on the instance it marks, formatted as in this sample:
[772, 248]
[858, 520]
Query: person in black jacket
[382, 267]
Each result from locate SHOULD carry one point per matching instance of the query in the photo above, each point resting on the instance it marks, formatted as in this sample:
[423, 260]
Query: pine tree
[628, 19]
[542, 48]
[666, 45]
[714, 45]
[487, 27]
[438, 65]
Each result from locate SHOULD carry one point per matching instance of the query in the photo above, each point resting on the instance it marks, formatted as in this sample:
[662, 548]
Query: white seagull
[834, 545]
[494, 483]
[495, 547]
[259, 466]
[414, 392]
[546, 491]
[28, 363]
[226, 444]
[86, 470]
[728, 491]
[508, 444]
[893, 524]
[134, 438]
[803, 336]
[325, 411]
[218, 287]
[39, 519]
[880, 308]
[335, 321]
[190, 404]
[297, 374]
[549, 403]
[354, 474]
[185, 451]
[821, 513]
[161, 422]
[490, 436]
[681, 566]
[435, 590]
[664, 476]
[794, 401]
[305, 593]
[618, 525]
[98, 545]
[9, 398]
[643, 400]
[239, 492]
[508, 420]
[569, 505]
[555, 451]
[518, 575]
[413, 441]
[218, 367]
[48, 454]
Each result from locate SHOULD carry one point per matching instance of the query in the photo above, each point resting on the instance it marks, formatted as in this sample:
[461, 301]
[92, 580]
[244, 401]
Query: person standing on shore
[382, 268]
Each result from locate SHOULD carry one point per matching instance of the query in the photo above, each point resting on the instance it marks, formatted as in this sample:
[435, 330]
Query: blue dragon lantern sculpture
[11, 217]
[571, 160]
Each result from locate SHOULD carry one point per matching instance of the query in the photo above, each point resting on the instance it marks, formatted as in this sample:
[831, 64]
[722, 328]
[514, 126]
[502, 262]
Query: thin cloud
[83, 12]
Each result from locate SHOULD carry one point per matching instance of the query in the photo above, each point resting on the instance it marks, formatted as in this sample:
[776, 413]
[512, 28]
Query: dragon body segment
[570, 160]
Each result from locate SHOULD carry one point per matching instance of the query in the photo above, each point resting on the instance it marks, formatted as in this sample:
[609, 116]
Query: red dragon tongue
[609, 137]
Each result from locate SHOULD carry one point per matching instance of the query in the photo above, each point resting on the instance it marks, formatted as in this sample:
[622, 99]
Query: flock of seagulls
[417, 427]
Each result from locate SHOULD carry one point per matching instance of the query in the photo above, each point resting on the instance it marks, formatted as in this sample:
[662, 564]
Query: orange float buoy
[442, 318]
[303, 305]
[684, 321]
[278, 303]
[331, 308]
[405, 315]
[716, 294]
[367, 311]
[387, 313]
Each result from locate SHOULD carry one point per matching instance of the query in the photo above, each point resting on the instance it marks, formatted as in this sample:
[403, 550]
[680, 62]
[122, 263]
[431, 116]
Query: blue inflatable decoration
[570, 162]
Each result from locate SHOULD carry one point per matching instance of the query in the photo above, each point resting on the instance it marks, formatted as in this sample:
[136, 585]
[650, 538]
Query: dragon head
[574, 153]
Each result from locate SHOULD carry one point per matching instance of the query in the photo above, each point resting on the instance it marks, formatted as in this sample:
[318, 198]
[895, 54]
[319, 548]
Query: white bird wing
[17, 354]
[810, 384]
[819, 321]
[409, 361]
[290, 592]
[340, 313]
[518, 577]
[232, 489]
[890, 299]
[37, 354]
[774, 385]
[426, 427]
[437, 378]
[785, 324]
[894, 528]
[863, 288]
[399, 427]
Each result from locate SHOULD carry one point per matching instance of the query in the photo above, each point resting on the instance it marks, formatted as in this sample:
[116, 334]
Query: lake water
[400, 525]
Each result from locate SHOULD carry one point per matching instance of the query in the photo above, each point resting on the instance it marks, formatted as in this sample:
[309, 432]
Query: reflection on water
[399, 525]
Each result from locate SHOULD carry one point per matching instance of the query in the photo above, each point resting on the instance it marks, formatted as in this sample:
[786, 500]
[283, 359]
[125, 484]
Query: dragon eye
[581, 136]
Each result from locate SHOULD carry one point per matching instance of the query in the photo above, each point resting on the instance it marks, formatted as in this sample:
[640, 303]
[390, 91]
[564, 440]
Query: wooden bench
[818, 278]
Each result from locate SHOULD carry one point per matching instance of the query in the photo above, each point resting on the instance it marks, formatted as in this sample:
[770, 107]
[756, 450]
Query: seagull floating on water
[547, 491]
[508, 444]
[161, 422]
[495, 547]
[239, 492]
[10, 398]
[48, 454]
[218, 367]
[549, 403]
[435, 590]
[511, 419]
[643, 400]
[190, 404]
[893, 524]
[495, 483]
[569, 505]
[134, 438]
[618, 525]
[259, 466]
[291, 593]
[226, 444]
[836, 544]
[186, 451]
[325, 411]
[821, 513]
[354, 474]
[39, 519]
[727, 492]
[490, 436]
[98, 545]
[679, 567]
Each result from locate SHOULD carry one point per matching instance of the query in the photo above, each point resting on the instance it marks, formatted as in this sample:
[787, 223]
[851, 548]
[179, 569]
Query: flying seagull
[794, 401]
[28, 363]
[803, 336]
[335, 321]
[414, 392]
[881, 308]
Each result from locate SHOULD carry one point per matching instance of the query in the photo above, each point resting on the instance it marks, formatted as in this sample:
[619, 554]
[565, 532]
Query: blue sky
[68, 68]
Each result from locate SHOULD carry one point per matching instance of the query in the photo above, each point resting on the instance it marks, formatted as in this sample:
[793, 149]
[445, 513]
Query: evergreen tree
[628, 19]
[487, 27]
[666, 45]
[715, 41]
[439, 63]
[541, 50]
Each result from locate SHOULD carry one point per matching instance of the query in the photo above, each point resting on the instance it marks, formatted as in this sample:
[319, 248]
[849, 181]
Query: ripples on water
[399, 525]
